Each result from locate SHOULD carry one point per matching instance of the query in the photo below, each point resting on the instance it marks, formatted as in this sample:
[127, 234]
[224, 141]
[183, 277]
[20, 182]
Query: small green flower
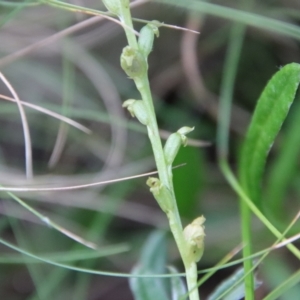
[161, 193]
[133, 62]
[173, 143]
[137, 109]
[112, 6]
[147, 37]
[194, 236]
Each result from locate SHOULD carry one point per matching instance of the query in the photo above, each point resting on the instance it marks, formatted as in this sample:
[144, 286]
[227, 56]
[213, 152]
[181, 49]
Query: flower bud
[173, 143]
[194, 236]
[161, 193]
[112, 6]
[133, 62]
[137, 109]
[147, 37]
[183, 131]
[172, 147]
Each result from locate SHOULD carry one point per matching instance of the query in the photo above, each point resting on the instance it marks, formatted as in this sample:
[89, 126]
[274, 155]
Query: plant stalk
[165, 175]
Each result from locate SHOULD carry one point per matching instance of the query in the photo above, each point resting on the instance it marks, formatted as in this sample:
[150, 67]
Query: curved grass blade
[226, 289]
[271, 111]
[237, 15]
[281, 289]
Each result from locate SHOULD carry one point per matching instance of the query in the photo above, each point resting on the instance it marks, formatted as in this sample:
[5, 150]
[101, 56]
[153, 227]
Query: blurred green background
[68, 62]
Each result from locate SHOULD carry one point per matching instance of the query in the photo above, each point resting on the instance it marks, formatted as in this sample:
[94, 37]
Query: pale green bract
[161, 193]
[133, 62]
[137, 109]
[194, 236]
[173, 143]
[112, 6]
[147, 37]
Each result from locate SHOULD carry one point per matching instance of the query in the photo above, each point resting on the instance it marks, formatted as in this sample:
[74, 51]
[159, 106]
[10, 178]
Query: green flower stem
[165, 173]
[189, 265]
[125, 18]
[143, 86]
[165, 176]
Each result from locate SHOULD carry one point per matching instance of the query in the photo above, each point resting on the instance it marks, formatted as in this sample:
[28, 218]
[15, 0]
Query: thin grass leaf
[84, 270]
[240, 16]
[17, 4]
[271, 111]
[50, 113]
[236, 40]
[285, 286]
[226, 291]
[221, 263]
[52, 224]
[68, 96]
[17, 7]
[26, 132]
[66, 256]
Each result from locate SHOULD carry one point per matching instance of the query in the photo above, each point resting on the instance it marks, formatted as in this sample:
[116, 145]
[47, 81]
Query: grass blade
[290, 282]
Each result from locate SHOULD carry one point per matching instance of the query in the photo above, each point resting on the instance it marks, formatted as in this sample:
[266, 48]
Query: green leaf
[178, 287]
[285, 166]
[152, 261]
[271, 110]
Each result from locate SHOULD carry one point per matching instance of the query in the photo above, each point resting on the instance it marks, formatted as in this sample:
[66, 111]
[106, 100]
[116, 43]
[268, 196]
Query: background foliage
[69, 62]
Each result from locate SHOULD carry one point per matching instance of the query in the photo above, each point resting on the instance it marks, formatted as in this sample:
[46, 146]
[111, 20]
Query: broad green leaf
[152, 261]
[283, 169]
[271, 110]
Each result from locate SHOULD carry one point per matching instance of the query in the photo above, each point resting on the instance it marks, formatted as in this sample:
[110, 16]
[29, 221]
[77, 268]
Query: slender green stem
[191, 275]
[153, 132]
[164, 173]
[125, 17]
[166, 178]
[230, 70]
[233, 54]
[246, 216]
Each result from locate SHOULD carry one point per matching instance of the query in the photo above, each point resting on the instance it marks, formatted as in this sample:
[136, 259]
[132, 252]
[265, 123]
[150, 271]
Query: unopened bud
[137, 109]
[173, 143]
[133, 62]
[112, 6]
[194, 236]
[147, 37]
[161, 193]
